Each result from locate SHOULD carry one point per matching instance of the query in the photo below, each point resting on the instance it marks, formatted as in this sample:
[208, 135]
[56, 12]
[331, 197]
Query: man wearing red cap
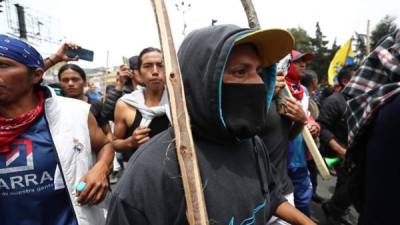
[298, 171]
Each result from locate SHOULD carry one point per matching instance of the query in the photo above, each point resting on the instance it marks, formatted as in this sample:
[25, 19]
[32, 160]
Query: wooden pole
[308, 139]
[312, 147]
[251, 14]
[367, 39]
[196, 208]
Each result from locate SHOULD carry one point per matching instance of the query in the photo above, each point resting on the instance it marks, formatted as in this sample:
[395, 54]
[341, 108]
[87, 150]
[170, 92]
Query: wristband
[52, 62]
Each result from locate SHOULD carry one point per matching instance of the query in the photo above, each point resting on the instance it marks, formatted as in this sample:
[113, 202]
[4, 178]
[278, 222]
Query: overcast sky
[124, 27]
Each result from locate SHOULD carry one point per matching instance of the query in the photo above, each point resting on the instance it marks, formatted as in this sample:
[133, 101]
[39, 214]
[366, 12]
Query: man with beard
[229, 77]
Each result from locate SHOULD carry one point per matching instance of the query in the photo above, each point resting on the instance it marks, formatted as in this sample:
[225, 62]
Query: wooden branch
[319, 161]
[251, 14]
[196, 208]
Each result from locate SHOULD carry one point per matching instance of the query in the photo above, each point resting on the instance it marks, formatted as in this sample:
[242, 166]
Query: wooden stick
[196, 208]
[251, 13]
[312, 147]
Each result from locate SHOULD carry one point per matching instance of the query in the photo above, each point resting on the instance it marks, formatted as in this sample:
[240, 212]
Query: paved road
[325, 189]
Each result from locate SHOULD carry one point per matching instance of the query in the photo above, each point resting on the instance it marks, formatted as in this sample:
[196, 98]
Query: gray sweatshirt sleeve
[268, 172]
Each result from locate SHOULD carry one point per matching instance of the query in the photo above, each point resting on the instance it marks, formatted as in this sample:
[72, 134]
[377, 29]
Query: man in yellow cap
[229, 76]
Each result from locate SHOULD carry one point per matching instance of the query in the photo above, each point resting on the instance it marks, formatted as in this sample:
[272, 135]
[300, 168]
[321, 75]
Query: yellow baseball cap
[272, 44]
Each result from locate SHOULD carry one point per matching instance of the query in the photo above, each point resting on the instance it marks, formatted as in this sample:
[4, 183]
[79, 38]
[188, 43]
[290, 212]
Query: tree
[333, 49]
[384, 27]
[360, 48]
[321, 60]
[1, 6]
[302, 39]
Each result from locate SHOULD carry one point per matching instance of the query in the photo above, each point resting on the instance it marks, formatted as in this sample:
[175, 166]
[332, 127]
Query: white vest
[68, 123]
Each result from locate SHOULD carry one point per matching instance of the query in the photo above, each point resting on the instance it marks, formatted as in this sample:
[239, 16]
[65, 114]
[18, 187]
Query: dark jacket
[96, 107]
[107, 112]
[276, 137]
[333, 121]
[236, 176]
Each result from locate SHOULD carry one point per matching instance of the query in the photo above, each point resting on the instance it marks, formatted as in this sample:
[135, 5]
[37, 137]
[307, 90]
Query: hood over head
[202, 58]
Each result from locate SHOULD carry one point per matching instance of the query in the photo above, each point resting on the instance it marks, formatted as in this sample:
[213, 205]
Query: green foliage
[319, 44]
[384, 27]
[335, 47]
[360, 48]
[333, 50]
[322, 55]
[302, 39]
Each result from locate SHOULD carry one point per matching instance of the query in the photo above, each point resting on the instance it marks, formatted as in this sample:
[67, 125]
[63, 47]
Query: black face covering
[244, 108]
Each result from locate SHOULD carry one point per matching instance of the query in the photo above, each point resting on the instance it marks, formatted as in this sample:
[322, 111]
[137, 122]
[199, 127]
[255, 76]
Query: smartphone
[82, 53]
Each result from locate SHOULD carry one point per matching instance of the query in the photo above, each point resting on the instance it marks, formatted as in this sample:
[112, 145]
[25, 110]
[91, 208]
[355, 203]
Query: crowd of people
[62, 146]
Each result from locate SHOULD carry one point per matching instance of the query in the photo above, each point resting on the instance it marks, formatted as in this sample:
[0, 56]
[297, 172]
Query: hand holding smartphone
[82, 53]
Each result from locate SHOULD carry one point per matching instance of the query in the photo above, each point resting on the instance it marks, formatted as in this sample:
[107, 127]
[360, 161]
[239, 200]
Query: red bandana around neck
[293, 82]
[11, 128]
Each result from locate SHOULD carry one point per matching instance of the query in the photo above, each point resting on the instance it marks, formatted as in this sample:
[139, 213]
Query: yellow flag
[343, 56]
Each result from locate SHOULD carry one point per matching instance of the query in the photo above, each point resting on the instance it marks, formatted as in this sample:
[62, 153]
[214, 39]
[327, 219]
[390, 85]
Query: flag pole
[367, 39]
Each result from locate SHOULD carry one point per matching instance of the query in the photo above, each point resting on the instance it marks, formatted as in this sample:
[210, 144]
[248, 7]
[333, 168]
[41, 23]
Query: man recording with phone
[60, 56]
[127, 81]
